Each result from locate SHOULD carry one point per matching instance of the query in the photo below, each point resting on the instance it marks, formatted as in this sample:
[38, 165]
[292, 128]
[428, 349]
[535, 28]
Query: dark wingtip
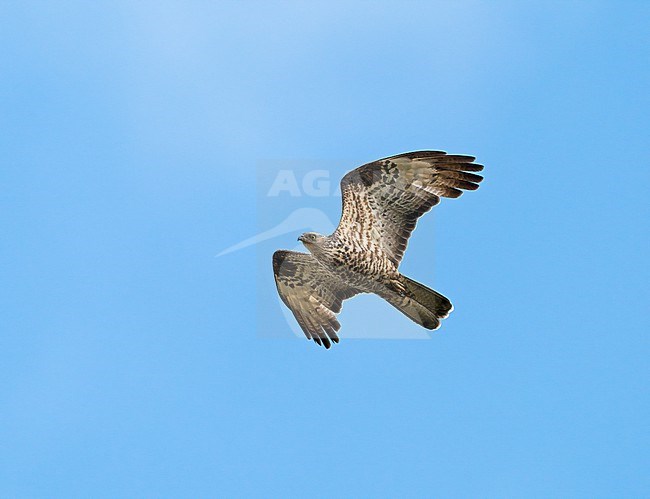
[471, 177]
[278, 258]
[470, 186]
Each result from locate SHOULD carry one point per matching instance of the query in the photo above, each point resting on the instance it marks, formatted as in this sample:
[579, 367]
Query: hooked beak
[301, 239]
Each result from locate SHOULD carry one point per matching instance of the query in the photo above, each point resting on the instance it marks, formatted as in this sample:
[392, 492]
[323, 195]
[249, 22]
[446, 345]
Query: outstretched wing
[382, 200]
[311, 293]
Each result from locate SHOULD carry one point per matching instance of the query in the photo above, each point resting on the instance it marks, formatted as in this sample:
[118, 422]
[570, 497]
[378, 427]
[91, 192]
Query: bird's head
[312, 240]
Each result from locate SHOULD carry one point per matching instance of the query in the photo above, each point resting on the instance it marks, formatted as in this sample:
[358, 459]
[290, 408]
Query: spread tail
[419, 303]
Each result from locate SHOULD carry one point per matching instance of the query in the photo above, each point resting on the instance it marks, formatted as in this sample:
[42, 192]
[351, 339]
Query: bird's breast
[357, 266]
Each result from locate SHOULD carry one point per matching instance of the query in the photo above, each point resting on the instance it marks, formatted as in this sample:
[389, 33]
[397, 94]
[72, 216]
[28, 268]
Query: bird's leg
[397, 286]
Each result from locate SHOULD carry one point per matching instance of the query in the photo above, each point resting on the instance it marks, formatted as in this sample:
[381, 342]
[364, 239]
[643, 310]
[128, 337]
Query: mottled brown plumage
[382, 202]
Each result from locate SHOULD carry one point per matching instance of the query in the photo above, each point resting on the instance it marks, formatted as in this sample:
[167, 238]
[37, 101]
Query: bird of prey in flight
[382, 202]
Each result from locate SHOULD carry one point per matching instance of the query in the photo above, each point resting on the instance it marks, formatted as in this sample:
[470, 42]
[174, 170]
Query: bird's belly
[363, 270]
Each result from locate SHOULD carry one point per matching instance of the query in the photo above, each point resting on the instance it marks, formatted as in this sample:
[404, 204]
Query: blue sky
[134, 363]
